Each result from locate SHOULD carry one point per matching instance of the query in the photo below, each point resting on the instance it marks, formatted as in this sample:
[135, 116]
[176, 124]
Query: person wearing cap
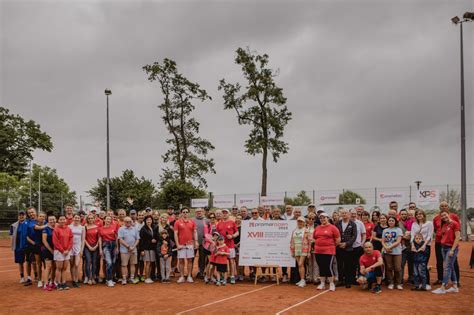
[288, 215]
[345, 251]
[220, 259]
[133, 216]
[228, 229]
[326, 237]
[171, 215]
[18, 233]
[357, 245]
[311, 209]
[300, 247]
[185, 235]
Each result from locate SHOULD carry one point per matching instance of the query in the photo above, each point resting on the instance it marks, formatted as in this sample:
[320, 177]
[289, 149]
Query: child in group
[165, 254]
[219, 260]
[420, 259]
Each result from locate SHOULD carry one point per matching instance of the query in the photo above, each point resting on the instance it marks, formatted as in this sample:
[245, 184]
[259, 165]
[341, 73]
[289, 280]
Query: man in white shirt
[288, 215]
[360, 240]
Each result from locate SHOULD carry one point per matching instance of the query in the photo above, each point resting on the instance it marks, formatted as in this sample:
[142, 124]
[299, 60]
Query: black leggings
[325, 262]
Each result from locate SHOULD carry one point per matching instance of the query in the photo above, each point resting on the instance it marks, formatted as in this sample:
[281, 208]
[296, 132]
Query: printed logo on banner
[388, 196]
[248, 201]
[328, 198]
[273, 200]
[198, 203]
[428, 196]
[223, 201]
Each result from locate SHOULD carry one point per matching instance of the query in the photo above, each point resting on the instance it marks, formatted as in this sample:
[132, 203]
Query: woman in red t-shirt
[108, 248]
[450, 236]
[91, 250]
[326, 237]
[369, 226]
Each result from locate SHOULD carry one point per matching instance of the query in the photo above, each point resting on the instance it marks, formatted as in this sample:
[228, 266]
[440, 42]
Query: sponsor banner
[385, 197]
[325, 198]
[223, 201]
[199, 203]
[249, 201]
[272, 200]
[425, 196]
[266, 243]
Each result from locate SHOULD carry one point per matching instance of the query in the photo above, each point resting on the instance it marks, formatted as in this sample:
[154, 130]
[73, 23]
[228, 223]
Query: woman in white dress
[78, 242]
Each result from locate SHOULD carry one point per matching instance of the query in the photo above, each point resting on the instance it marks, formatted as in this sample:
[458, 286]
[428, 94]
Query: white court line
[227, 298]
[309, 299]
[8, 270]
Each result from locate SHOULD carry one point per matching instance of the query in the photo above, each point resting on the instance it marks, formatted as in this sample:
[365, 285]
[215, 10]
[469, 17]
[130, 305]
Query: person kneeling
[371, 264]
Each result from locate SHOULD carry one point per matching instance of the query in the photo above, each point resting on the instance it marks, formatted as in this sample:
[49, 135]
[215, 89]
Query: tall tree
[175, 193]
[261, 105]
[188, 152]
[126, 191]
[18, 139]
[348, 197]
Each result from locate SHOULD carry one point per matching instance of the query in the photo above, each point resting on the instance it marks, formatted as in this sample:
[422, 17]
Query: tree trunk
[264, 172]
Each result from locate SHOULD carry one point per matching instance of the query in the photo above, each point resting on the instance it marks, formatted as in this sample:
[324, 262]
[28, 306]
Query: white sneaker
[148, 281]
[428, 287]
[298, 283]
[110, 284]
[285, 279]
[86, 280]
[190, 279]
[332, 287]
[40, 284]
[181, 280]
[439, 291]
[302, 284]
[124, 281]
[320, 286]
[399, 287]
[134, 280]
[452, 290]
[390, 286]
[22, 280]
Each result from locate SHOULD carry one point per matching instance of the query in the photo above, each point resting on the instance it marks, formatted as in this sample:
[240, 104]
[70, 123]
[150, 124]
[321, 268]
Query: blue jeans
[448, 265]
[419, 271]
[91, 262]
[109, 257]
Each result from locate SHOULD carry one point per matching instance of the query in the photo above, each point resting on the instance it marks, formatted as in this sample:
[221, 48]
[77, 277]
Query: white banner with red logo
[427, 196]
[224, 201]
[272, 200]
[249, 201]
[199, 203]
[385, 197]
[324, 198]
[266, 243]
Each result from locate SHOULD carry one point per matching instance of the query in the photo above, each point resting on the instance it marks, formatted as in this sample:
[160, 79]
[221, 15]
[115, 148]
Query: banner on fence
[427, 196]
[226, 201]
[199, 203]
[266, 243]
[249, 201]
[385, 197]
[272, 200]
[325, 198]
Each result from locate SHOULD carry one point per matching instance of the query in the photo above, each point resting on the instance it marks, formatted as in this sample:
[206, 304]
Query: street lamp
[418, 183]
[467, 17]
[107, 93]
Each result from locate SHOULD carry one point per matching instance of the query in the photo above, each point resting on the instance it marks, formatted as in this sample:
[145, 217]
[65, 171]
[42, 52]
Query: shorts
[126, 258]
[19, 256]
[220, 267]
[206, 252]
[58, 256]
[150, 256]
[75, 250]
[186, 252]
[36, 250]
[46, 255]
[231, 253]
[29, 256]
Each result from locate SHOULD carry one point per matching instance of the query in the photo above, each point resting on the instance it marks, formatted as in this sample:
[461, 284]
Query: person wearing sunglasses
[186, 239]
[255, 216]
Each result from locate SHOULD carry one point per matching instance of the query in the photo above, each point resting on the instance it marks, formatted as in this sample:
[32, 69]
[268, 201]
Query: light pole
[467, 17]
[107, 93]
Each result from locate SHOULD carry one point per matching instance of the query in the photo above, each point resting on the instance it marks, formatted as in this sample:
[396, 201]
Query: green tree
[18, 139]
[55, 192]
[261, 105]
[174, 192]
[10, 188]
[349, 197]
[126, 191]
[188, 152]
[301, 199]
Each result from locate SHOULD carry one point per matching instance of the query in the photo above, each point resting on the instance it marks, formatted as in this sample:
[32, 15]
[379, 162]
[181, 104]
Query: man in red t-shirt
[371, 263]
[443, 206]
[185, 235]
[69, 210]
[228, 229]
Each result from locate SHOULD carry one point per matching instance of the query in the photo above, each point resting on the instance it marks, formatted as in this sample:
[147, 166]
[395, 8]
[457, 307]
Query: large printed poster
[266, 243]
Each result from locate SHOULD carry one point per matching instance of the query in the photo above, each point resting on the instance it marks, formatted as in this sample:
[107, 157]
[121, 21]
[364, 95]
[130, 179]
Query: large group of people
[349, 247]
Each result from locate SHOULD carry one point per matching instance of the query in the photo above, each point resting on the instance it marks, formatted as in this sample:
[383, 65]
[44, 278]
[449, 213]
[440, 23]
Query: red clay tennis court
[242, 298]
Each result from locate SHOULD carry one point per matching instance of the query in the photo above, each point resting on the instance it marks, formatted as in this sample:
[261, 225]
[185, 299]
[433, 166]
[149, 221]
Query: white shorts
[231, 253]
[58, 256]
[186, 252]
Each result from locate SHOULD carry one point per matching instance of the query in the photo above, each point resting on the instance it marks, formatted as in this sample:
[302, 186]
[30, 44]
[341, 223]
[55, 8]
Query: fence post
[235, 199]
[410, 192]
[211, 201]
[314, 196]
[259, 200]
[375, 191]
[447, 193]
[285, 195]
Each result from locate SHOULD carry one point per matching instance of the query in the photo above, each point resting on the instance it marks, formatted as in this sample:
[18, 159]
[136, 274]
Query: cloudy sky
[373, 86]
